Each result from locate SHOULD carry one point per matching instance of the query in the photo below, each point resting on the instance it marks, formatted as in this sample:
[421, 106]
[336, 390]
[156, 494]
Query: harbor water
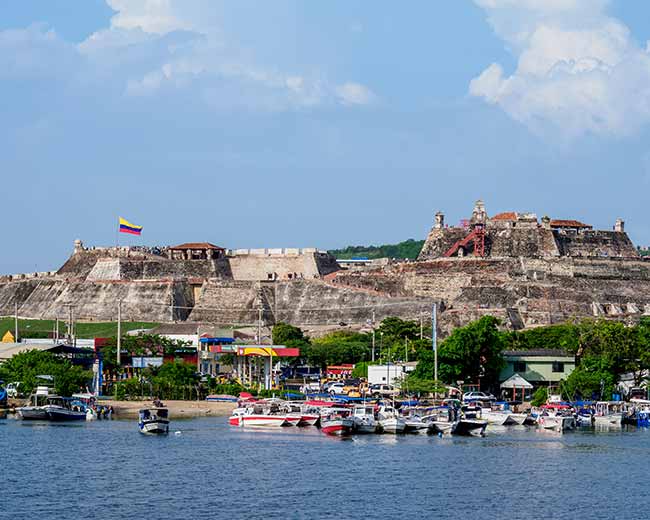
[207, 469]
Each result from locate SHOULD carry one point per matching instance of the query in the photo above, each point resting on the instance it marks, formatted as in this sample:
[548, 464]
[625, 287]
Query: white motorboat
[498, 417]
[518, 418]
[415, 424]
[390, 421]
[363, 419]
[60, 409]
[558, 423]
[153, 421]
[609, 413]
[35, 410]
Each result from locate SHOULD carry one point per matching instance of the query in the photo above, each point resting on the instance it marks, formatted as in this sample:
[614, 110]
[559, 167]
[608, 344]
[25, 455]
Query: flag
[127, 227]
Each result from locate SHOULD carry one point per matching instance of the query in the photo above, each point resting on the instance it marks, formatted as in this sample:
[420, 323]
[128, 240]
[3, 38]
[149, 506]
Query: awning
[516, 381]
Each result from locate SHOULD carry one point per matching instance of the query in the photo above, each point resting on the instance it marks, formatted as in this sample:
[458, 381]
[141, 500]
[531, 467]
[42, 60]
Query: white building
[389, 374]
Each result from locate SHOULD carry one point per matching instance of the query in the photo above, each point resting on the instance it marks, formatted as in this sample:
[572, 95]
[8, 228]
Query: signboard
[144, 362]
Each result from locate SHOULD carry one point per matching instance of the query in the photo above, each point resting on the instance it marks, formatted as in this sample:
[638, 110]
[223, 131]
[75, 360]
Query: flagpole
[117, 235]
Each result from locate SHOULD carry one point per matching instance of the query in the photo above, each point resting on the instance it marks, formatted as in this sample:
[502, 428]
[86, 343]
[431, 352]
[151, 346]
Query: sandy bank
[176, 408]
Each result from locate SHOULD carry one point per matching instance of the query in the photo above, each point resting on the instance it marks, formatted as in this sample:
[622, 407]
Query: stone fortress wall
[526, 271]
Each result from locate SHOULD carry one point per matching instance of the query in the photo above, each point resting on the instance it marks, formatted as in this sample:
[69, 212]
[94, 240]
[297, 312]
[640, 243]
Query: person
[157, 403]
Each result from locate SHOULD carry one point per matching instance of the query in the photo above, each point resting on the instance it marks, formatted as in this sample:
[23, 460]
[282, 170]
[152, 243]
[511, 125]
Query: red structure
[477, 237]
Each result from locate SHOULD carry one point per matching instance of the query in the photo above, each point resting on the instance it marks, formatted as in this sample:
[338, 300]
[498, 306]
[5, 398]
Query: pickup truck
[383, 390]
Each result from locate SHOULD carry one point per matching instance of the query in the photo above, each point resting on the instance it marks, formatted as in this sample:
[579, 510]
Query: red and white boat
[336, 425]
[309, 419]
[249, 417]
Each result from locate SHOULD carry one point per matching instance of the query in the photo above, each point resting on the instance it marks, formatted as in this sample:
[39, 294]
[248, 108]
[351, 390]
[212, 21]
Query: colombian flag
[127, 227]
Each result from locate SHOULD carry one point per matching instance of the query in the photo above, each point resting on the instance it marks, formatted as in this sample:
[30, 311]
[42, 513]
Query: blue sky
[301, 124]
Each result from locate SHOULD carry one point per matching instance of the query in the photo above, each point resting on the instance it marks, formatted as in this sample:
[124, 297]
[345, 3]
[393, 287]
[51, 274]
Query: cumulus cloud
[578, 69]
[355, 94]
[162, 46]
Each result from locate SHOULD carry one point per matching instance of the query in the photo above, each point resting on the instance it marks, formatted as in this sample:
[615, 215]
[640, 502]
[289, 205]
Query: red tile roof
[569, 224]
[508, 215]
[197, 245]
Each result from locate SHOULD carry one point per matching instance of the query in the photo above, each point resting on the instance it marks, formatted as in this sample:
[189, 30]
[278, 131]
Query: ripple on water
[106, 469]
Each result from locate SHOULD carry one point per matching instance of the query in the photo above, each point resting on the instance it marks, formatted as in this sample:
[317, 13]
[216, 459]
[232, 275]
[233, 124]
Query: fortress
[524, 270]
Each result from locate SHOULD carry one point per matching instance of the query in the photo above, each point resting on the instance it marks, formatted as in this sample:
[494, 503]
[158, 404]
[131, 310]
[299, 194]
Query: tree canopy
[26, 366]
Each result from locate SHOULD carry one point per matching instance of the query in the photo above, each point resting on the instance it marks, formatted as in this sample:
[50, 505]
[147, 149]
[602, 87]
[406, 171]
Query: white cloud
[578, 70]
[355, 94]
[162, 44]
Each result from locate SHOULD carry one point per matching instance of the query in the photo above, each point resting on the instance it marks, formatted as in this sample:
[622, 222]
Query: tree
[338, 348]
[473, 352]
[26, 366]
[141, 345]
[285, 334]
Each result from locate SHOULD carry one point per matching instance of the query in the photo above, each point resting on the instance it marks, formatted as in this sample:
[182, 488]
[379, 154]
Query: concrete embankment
[177, 409]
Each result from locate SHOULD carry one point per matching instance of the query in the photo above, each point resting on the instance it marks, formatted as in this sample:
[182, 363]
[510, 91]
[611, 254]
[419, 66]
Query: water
[106, 469]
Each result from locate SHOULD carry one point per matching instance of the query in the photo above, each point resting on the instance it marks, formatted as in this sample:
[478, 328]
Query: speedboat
[35, 410]
[337, 422]
[59, 409]
[363, 419]
[558, 423]
[498, 417]
[153, 421]
[259, 415]
[609, 413]
[390, 421]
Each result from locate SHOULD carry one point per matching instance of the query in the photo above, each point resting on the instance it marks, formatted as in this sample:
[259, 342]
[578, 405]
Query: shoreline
[178, 409]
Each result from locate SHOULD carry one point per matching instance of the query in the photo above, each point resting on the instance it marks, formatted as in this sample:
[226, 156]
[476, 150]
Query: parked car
[478, 396]
[383, 390]
[336, 388]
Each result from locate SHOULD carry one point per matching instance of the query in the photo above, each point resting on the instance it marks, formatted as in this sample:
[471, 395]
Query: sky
[314, 124]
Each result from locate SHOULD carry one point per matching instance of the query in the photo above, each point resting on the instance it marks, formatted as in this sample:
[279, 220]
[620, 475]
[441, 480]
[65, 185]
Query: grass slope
[43, 328]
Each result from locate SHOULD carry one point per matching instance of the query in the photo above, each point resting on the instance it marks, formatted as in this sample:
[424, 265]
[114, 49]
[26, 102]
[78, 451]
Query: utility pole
[56, 329]
[422, 325]
[434, 339]
[259, 325]
[119, 333]
[69, 324]
[16, 322]
[406, 349]
[373, 335]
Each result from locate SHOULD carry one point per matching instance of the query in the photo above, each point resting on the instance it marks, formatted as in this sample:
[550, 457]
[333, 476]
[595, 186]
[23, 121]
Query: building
[392, 374]
[542, 367]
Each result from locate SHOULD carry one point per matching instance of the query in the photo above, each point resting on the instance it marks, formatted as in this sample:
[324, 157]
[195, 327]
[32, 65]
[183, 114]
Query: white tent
[516, 381]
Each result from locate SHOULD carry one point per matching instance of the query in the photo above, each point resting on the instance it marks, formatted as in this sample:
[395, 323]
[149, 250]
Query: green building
[539, 367]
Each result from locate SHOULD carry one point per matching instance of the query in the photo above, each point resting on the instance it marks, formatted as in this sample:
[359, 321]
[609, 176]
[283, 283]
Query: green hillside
[44, 328]
[409, 249]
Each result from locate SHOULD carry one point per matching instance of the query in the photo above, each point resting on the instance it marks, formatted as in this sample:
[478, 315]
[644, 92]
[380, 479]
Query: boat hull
[159, 427]
[337, 427]
[263, 421]
[59, 414]
[469, 427]
[32, 413]
[309, 420]
[392, 425]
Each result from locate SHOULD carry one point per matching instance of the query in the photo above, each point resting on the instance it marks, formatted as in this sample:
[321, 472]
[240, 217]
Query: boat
[498, 417]
[3, 395]
[35, 410]
[222, 398]
[153, 421]
[389, 420]
[363, 418]
[610, 413]
[259, 415]
[416, 424]
[336, 422]
[450, 418]
[61, 409]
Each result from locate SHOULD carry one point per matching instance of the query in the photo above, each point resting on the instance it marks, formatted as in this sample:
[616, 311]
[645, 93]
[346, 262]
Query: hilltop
[407, 250]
